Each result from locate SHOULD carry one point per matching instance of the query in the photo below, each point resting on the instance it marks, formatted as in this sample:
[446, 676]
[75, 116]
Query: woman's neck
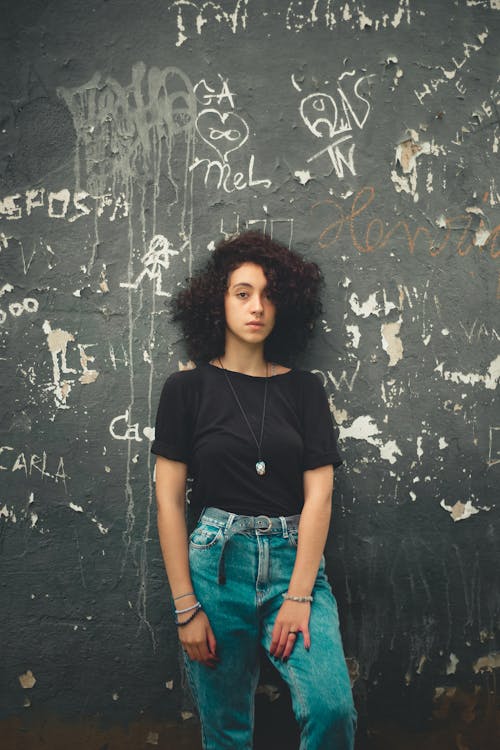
[249, 361]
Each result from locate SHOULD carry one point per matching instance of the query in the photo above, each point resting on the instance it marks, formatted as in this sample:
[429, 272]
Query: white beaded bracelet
[303, 599]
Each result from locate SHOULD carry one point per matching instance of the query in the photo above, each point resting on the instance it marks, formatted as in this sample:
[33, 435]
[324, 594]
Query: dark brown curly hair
[294, 285]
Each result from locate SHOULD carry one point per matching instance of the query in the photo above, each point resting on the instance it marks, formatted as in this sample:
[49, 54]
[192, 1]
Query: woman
[256, 436]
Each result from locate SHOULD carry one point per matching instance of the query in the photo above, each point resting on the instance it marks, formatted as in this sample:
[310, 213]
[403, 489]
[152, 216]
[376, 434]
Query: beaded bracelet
[191, 617]
[302, 599]
[188, 609]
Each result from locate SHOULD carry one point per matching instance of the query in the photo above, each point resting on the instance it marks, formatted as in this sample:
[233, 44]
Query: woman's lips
[255, 325]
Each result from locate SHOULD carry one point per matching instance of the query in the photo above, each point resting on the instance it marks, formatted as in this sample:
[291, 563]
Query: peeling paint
[489, 380]
[407, 153]
[487, 663]
[391, 343]
[303, 176]
[27, 680]
[355, 335]
[460, 511]
[365, 428]
[453, 661]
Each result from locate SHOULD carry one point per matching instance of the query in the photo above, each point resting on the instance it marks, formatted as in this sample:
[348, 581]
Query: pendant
[260, 468]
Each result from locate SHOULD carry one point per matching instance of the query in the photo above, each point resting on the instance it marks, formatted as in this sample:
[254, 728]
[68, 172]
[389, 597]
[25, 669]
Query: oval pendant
[260, 468]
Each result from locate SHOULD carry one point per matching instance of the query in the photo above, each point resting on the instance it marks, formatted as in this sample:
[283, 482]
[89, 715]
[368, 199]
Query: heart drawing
[224, 132]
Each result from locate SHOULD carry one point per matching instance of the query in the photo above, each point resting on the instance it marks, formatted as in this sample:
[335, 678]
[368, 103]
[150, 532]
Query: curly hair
[294, 286]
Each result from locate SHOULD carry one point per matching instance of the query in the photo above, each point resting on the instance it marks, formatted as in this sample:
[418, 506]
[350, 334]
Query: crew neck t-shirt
[200, 423]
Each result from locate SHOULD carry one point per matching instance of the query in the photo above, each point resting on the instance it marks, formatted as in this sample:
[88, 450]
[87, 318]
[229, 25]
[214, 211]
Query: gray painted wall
[133, 136]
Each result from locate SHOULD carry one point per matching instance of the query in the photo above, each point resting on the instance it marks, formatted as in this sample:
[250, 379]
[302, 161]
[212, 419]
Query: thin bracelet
[191, 617]
[189, 593]
[302, 599]
[188, 609]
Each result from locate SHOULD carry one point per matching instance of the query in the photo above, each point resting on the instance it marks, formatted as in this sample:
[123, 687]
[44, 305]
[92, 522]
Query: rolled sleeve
[172, 425]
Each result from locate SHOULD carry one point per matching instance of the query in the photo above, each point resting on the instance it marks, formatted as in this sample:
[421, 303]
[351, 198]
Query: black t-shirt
[200, 423]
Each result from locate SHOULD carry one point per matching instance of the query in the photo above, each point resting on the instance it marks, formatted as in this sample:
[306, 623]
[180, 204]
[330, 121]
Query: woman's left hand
[292, 620]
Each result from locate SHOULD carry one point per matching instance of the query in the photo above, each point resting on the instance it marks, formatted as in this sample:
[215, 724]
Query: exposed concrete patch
[27, 680]
[460, 511]
[488, 663]
[391, 342]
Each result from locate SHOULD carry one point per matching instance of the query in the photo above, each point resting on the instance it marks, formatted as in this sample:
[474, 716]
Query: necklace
[260, 466]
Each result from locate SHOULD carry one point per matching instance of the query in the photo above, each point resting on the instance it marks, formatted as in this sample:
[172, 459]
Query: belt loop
[221, 567]
[229, 521]
[284, 527]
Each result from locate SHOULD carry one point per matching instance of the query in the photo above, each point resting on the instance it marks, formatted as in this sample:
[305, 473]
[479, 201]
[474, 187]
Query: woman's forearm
[171, 518]
[173, 539]
[313, 530]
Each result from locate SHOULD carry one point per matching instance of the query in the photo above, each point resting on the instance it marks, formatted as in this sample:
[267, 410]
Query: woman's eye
[242, 294]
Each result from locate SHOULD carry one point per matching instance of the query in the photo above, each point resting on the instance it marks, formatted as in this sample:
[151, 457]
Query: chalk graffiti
[225, 132]
[454, 65]
[32, 463]
[301, 14]
[28, 305]
[156, 258]
[57, 342]
[486, 113]
[193, 17]
[333, 117]
[370, 234]
[130, 431]
[208, 10]
[341, 381]
[63, 204]
[272, 227]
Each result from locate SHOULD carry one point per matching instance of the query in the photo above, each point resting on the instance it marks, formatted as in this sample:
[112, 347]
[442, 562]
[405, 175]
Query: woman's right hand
[198, 640]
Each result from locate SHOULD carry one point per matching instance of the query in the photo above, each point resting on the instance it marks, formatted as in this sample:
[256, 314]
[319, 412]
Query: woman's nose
[258, 305]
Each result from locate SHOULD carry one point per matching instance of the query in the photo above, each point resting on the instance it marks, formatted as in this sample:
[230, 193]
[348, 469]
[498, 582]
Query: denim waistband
[233, 523]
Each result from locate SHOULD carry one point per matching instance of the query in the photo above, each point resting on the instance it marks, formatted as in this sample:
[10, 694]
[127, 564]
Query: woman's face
[250, 313]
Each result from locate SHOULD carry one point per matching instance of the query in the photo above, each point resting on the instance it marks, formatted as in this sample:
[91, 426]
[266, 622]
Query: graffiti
[154, 260]
[206, 11]
[368, 235]
[193, 17]
[125, 142]
[31, 464]
[272, 227]
[28, 305]
[485, 114]
[57, 341]
[454, 65]
[225, 132]
[138, 140]
[130, 432]
[333, 118]
[301, 14]
[63, 204]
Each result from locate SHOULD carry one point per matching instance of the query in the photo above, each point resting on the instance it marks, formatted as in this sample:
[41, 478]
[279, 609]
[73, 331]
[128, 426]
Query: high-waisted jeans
[241, 566]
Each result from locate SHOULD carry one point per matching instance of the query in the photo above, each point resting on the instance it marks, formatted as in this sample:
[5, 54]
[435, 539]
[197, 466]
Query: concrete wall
[133, 136]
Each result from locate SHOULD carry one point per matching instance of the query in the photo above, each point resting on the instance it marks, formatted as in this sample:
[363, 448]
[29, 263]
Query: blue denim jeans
[240, 566]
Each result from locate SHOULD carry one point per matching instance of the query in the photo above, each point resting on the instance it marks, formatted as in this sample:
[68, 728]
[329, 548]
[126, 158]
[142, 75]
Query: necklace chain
[260, 466]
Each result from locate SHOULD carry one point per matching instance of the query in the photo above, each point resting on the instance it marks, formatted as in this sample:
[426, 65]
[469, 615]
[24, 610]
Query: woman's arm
[197, 637]
[313, 531]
